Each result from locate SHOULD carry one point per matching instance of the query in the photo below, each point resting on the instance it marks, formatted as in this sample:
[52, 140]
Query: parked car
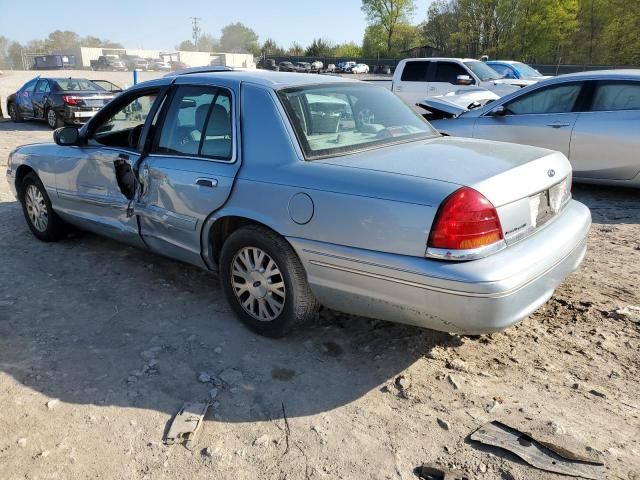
[344, 67]
[268, 64]
[520, 73]
[286, 67]
[137, 63]
[108, 63]
[382, 69]
[591, 117]
[417, 78]
[58, 101]
[303, 67]
[331, 68]
[247, 176]
[317, 66]
[360, 68]
[159, 65]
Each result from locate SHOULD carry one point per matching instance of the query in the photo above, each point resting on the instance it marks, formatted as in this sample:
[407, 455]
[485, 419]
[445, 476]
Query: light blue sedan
[302, 191]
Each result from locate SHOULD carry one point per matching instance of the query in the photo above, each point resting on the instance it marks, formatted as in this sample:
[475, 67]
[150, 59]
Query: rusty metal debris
[186, 424]
[542, 455]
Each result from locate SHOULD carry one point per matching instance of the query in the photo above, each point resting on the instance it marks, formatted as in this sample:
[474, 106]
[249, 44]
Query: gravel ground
[100, 344]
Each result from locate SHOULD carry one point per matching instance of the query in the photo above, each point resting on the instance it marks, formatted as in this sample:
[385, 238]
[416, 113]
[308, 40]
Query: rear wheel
[36, 206]
[53, 119]
[13, 113]
[265, 282]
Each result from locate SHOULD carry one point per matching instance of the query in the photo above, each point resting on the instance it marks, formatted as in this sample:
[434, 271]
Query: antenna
[195, 28]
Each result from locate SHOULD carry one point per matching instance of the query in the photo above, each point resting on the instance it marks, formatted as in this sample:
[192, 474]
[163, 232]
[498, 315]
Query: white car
[418, 78]
[360, 68]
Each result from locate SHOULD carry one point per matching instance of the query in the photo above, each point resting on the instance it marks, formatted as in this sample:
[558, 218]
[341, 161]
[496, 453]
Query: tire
[53, 119]
[271, 311]
[53, 228]
[14, 113]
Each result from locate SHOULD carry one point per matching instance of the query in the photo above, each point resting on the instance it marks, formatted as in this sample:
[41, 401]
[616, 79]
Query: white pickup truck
[418, 78]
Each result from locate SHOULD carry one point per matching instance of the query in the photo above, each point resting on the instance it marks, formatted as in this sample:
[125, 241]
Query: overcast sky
[162, 24]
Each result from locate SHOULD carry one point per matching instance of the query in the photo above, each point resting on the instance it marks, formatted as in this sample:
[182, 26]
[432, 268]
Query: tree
[348, 50]
[271, 48]
[320, 47]
[388, 14]
[237, 36]
[295, 50]
[59, 40]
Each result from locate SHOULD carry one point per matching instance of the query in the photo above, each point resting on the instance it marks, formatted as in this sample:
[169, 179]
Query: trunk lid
[502, 172]
[526, 184]
[92, 99]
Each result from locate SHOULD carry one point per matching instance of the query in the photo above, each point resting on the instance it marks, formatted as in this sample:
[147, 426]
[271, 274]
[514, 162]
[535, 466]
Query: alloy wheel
[52, 119]
[258, 284]
[36, 208]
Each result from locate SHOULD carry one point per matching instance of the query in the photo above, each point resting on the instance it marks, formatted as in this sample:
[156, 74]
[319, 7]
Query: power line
[195, 29]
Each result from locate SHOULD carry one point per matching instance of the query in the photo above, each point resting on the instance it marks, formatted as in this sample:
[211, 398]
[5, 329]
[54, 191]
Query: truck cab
[418, 78]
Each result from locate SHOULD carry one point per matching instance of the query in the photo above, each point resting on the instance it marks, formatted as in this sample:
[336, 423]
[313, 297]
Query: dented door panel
[175, 202]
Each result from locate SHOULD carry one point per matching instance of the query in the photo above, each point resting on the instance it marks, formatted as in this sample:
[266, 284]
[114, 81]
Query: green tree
[388, 14]
[295, 50]
[59, 40]
[271, 48]
[237, 36]
[320, 47]
[348, 50]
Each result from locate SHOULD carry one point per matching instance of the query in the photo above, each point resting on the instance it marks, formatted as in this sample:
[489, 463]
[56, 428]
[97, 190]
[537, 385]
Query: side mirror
[464, 80]
[66, 136]
[499, 111]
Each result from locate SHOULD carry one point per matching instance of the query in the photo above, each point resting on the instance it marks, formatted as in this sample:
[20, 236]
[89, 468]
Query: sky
[162, 24]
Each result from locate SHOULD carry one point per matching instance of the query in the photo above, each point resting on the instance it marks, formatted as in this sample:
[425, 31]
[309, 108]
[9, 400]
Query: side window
[448, 72]
[415, 71]
[552, 99]
[42, 86]
[504, 70]
[123, 128]
[616, 95]
[198, 122]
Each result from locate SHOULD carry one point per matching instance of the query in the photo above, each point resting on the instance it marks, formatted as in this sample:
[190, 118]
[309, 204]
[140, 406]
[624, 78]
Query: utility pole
[195, 29]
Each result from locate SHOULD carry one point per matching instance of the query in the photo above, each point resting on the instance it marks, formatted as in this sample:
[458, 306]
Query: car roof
[603, 74]
[265, 78]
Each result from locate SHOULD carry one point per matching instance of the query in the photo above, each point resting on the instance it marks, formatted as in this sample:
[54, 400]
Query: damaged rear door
[190, 168]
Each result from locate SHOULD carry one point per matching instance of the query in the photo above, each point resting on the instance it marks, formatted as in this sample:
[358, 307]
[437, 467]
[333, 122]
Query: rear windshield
[77, 84]
[344, 118]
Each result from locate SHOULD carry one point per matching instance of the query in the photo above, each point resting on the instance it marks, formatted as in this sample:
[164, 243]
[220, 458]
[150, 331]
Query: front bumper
[479, 296]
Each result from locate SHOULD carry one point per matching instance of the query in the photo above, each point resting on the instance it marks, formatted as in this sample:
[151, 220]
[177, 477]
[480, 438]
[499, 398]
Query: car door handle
[207, 182]
[557, 125]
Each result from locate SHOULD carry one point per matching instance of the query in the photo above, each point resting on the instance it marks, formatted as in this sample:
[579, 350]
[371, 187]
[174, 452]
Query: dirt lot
[100, 344]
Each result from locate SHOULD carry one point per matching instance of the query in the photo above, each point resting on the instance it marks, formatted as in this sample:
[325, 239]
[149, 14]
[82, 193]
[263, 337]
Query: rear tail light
[466, 227]
[70, 99]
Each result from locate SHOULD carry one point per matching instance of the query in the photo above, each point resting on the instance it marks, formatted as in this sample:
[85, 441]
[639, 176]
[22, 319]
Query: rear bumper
[76, 115]
[479, 296]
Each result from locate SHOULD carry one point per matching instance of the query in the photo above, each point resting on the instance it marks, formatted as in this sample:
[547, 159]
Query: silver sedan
[302, 191]
[591, 117]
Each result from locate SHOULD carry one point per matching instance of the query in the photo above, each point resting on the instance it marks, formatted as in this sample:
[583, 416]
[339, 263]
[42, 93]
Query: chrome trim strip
[467, 254]
[460, 293]
[410, 283]
[91, 199]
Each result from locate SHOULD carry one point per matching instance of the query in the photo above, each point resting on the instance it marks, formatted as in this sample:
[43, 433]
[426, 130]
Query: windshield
[526, 71]
[483, 71]
[77, 84]
[345, 118]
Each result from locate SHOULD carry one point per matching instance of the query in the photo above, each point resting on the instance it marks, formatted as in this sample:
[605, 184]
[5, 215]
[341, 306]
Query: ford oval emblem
[551, 172]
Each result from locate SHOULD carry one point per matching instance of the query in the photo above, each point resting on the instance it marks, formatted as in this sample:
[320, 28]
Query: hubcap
[36, 208]
[51, 117]
[258, 284]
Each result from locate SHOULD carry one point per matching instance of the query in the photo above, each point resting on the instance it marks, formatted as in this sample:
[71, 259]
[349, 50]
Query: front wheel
[14, 113]
[36, 206]
[265, 282]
